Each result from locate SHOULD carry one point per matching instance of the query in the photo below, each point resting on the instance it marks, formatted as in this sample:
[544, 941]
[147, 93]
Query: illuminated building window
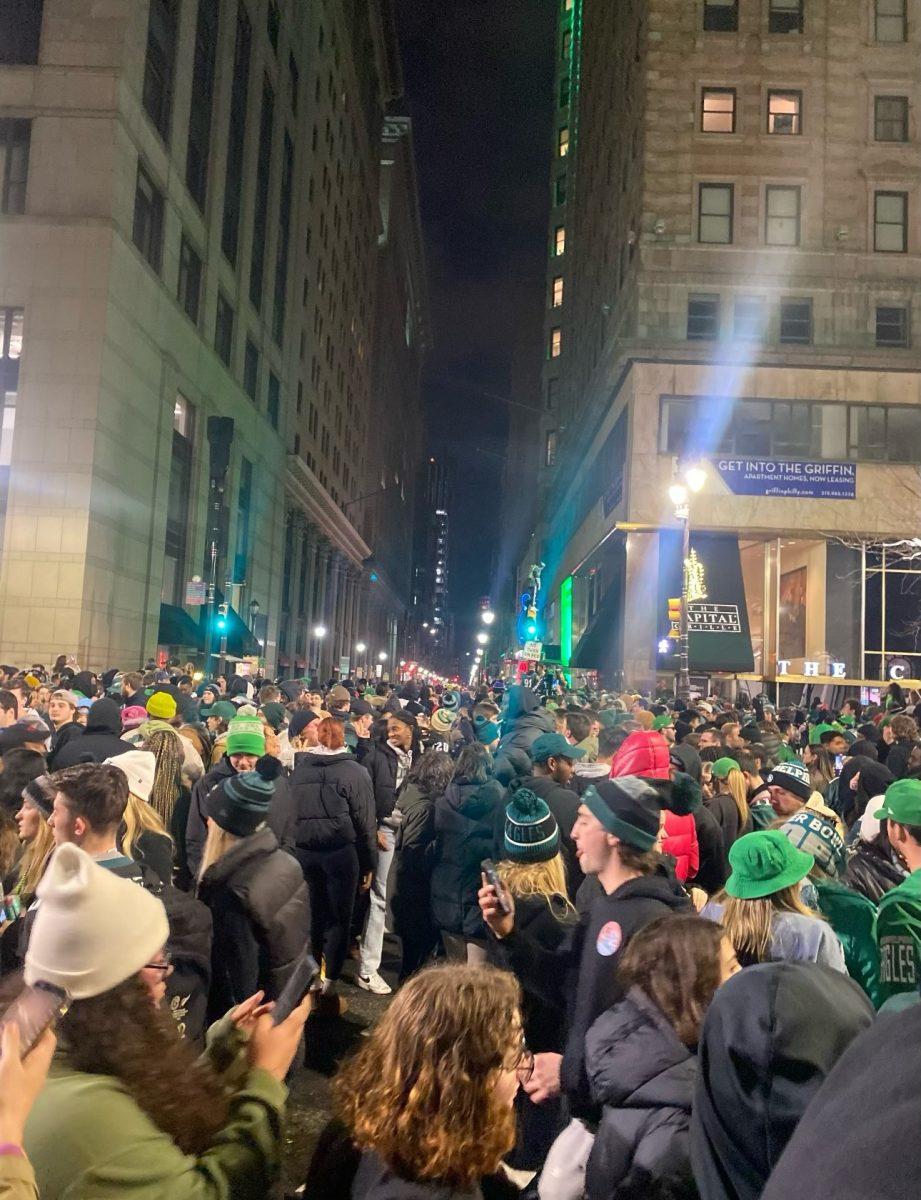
[782, 216]
[556, 342]
[559, 240]
[718, 110]
[558, 292]
[562, 142]
[785, 112]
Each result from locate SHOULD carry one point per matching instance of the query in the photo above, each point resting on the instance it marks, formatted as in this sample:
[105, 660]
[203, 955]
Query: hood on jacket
[643, 753]
[634, 1059]
[104, 717]
[771, 1035]
[260, 844]
[473, 799]
[688, 758]
[521, 701]
[592, 770]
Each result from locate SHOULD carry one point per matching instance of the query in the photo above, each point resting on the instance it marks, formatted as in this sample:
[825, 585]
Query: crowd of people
[643, 940]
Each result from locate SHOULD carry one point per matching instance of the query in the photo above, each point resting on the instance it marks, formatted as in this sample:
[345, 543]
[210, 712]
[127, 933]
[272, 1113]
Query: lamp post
[680, 495]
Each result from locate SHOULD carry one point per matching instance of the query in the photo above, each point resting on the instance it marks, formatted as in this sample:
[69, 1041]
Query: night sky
[479, 79]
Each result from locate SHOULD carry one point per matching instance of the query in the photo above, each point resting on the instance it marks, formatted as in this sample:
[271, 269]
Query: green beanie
[245, 735]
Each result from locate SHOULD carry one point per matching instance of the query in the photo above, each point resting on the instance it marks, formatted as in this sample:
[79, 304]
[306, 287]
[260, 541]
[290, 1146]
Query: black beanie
[628, 808]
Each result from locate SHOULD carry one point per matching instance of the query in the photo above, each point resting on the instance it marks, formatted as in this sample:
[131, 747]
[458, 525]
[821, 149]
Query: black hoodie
[770, 1038]
[582, 972]
[100, 739]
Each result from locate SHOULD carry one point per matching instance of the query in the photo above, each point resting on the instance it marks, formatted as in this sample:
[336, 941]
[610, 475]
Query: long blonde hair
[734, 784]
[547, 879]
[138, 817]
[34, 860]
[217, 843]
[749, 924]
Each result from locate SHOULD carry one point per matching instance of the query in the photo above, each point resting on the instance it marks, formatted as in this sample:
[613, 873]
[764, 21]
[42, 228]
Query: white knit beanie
[93, 929]
[140, 766]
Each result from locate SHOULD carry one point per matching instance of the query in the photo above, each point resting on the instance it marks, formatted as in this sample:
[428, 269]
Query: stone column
[320, 608]
[331, 640]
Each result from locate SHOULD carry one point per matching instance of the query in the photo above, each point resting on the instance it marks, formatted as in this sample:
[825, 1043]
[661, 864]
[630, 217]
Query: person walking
[335, 842]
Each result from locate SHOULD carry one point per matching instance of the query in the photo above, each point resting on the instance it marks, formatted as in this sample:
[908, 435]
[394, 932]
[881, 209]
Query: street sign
[532, 650]
[344, 666]
[196, 591]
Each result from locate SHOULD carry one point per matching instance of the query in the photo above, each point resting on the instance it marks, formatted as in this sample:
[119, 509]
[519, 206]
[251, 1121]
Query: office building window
[236, 137]
[785, 112]
[261, 212]
[558, 292]
[718, 110]
[273, 406]
[199, 144]
[891, 21]
[564, 91]
[148, 218]
[796, 322]
[748, 318]
[20, 31]
[703, 318]
[782, 216]
[560, 189]
[714, 218]
[556, 342]
[890, 119]
[559, 240]
[721, 16]
[15, 136]
[562, 142]
[223, 329]
[189, 290]
[892, 328]
[251, 370]
[284, 237]
[160, 64]
[273, 24]
[178, 504]
[785, 16]
[890, 222]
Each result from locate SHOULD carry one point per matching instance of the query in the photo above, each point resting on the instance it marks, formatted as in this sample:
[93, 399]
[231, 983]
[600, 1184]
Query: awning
[600, 648]
[178, 629]
[241, 641]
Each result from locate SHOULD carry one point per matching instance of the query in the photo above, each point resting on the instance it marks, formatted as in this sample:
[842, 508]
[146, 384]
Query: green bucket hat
[763, 863]
[722, 767]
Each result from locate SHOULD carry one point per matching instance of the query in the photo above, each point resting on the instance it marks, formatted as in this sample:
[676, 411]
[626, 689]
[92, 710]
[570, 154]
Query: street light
[482, 637]
[319, 631]
[487, 616]
[680, 495]
[360, 647]
[382, 657]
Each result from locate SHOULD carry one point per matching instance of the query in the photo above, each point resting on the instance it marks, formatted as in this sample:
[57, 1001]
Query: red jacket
[645, 753]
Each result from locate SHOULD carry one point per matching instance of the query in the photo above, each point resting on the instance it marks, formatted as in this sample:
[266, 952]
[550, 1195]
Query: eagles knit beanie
[531, 832]
[240, 804]
[628, 808]
[809, 832]
[793, 777]
[245, 735]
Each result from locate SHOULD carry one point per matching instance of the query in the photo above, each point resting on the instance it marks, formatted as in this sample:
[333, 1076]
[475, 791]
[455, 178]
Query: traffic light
[221, 620]
[531, 629]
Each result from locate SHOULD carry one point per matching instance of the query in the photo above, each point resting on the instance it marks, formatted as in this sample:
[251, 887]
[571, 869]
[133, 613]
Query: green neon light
[566, 620]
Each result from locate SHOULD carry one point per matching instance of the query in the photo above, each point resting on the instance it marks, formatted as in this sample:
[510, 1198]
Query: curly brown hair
[676, 962]
[122, 1034]
[421, 1091]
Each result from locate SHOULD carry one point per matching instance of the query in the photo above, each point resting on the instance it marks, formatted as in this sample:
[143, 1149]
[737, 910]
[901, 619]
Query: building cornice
[303, 487]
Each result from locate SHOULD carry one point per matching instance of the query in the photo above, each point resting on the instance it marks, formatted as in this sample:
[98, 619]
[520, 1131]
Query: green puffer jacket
[853, 918]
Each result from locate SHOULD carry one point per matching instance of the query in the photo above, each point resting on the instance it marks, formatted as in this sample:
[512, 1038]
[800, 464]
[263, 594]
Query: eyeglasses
[164, 965]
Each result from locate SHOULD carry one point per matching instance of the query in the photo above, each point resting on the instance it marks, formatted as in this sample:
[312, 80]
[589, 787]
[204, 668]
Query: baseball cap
[902, 802]
[553, 745]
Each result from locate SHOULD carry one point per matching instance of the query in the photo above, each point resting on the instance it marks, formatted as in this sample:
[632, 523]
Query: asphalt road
[328, 1041]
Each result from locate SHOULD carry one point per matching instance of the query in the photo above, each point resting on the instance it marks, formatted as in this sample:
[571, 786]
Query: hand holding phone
[488, 867]
[304, 974]
[34, 1010]
[495, 901]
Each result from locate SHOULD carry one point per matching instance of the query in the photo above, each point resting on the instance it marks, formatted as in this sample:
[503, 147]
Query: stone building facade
[189, 229]
[738, 284]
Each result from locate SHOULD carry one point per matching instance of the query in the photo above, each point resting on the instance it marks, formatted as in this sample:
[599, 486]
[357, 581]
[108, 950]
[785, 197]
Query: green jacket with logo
[898, 935]
[853, 918]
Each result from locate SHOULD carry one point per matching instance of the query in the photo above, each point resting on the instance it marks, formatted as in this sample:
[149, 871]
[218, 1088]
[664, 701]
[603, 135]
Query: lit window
[718, 110]
[562, 142]
[782, 216]
[558, 292]
[891, 21]
[715, 213]
[556, 342]
[785, 112]
[786, 16]
[890, 232]
[559, 240]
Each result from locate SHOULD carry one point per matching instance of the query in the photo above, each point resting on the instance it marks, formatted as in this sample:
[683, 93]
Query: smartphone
[488, 867]
[305, 974]
[34, 1010]
[839, 763]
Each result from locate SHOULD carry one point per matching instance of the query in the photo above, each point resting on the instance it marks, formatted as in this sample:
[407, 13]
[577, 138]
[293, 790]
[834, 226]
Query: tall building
[732, 282]
[433, 634]
[189, 230]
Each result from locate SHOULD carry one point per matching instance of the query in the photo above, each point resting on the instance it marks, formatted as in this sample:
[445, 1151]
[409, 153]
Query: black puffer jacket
[100, 739]
[872, 871]
[334, 805]
[522, 724]
[465, 822]
[644, 1078]
[381, 764]
[261, 913]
